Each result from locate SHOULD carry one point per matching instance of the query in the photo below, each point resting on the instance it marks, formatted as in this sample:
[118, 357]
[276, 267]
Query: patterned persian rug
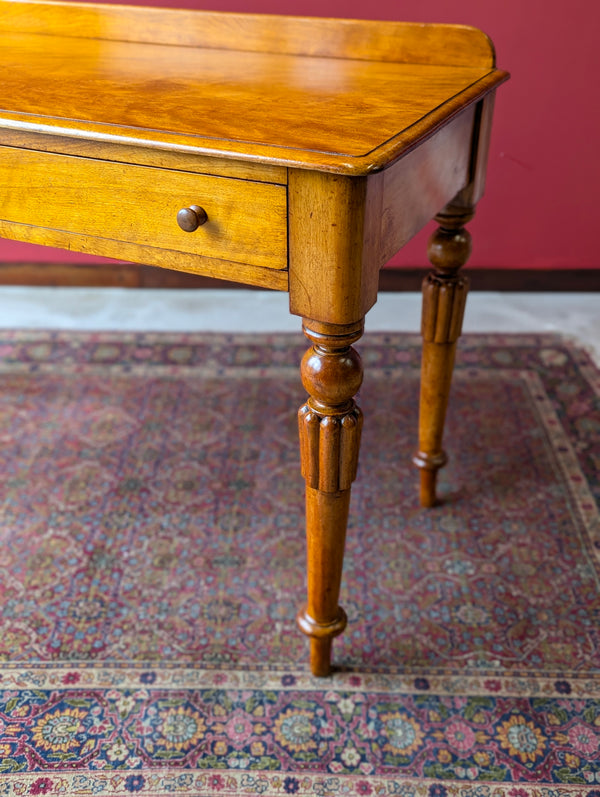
[152, 561]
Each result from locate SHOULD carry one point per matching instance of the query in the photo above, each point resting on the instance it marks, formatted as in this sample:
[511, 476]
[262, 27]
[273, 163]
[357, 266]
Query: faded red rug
[152, 560]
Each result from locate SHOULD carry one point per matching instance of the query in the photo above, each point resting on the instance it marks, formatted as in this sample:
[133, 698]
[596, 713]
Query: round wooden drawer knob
[189, 219]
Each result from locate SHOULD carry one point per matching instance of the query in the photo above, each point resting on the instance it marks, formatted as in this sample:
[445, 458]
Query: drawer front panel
[247, 221]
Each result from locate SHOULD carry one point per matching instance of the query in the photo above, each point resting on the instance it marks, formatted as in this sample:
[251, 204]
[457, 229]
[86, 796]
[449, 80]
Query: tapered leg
[330, 425]
[444, 298]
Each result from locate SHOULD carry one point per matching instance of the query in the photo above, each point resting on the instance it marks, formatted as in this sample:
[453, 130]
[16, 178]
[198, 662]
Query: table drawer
[246, 220]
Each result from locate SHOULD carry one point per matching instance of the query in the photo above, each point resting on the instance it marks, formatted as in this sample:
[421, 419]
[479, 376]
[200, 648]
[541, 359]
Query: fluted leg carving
[330, 426]
[444, 298]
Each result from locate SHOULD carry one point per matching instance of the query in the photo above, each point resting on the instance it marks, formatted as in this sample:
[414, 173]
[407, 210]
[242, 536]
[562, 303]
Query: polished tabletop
[345, 114]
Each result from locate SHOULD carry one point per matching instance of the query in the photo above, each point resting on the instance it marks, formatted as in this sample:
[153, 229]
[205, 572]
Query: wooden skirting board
[130, 275]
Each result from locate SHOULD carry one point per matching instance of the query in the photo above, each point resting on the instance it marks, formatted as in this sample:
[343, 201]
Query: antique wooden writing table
[290, 153]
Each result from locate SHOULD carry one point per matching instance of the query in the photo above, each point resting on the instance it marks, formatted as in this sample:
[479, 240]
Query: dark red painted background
[541, 208]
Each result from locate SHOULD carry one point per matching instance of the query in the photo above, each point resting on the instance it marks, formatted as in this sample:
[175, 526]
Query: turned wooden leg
[330, 425]
[444, 298]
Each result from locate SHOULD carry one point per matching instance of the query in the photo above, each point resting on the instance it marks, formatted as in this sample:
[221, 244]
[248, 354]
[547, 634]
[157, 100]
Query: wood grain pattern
[233, 103]
[139, 205]
[399, 42]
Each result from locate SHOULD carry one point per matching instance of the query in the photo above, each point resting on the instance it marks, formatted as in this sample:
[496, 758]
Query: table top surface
[344, 114]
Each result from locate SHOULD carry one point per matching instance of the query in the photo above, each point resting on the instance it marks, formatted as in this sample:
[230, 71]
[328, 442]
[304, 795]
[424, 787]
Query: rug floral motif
[151, 512]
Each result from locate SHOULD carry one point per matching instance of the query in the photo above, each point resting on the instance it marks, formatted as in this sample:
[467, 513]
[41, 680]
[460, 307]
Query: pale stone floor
[575, 314]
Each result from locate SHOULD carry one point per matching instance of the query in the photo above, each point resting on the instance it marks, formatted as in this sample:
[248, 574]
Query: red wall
[541, 209]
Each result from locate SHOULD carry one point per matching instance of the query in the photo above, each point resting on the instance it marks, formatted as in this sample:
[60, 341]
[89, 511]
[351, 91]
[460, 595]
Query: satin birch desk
[289, 153]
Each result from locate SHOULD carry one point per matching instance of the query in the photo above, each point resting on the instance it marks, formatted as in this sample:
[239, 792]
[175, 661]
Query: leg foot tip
[428, 465]
[321, 671]
[321, 637]
[427, 492]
